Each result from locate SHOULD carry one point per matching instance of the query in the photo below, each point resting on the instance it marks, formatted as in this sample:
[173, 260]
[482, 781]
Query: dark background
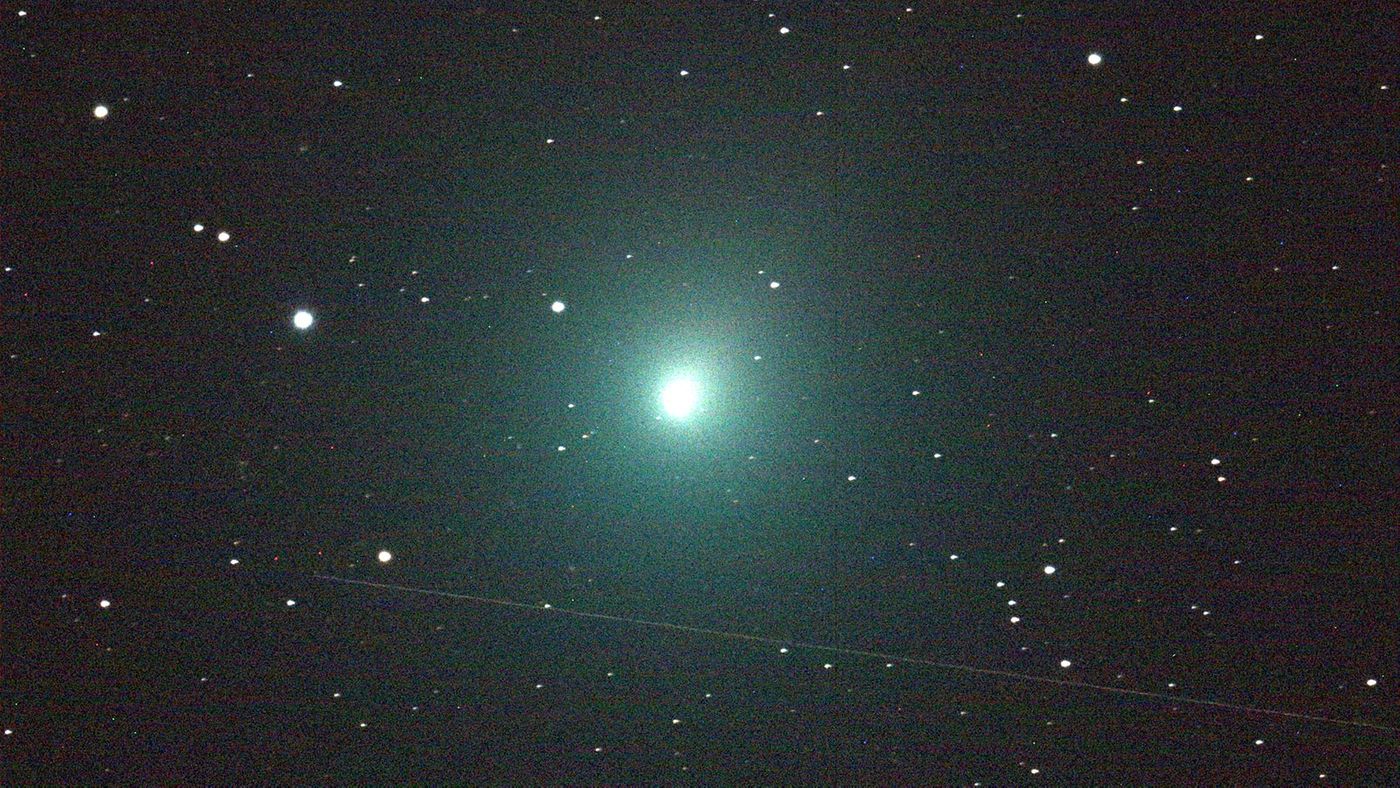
[965, 218]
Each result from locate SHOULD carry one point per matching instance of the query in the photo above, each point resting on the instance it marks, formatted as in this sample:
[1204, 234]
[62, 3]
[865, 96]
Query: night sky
[1036, 369]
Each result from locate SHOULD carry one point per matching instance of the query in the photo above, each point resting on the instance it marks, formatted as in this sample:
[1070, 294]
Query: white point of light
[680, 397]
[1064, 663]
[1370, 682]
[199, 228]
[104, 604]
[224, 236]
[774, 285]
[385, 556]
[783, 31]
[1095, 58]
[303, 319]
[233, 562]
[1015, 619]
[557, 307]
[99, 111]
[1176, 108]
[1049, 570]
[291, 603]
[1214, 460]
[337, 84]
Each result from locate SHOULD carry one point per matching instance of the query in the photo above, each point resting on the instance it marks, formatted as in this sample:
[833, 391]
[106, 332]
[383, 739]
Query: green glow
[680, 397]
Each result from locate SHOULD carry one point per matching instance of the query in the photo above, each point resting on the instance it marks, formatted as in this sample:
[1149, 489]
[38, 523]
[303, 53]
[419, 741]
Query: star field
[715, 393]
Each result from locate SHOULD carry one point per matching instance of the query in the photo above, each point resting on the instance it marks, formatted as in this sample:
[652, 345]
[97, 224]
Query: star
[557, 307]
[99, 111]
[1095, 58]
[303, 320]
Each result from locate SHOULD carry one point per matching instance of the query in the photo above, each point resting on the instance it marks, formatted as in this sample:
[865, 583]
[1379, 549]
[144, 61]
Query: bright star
[303, 319]
[680, 397]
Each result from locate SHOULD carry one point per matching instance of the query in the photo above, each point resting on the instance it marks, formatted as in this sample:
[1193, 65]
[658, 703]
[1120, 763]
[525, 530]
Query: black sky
[1135, 321]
